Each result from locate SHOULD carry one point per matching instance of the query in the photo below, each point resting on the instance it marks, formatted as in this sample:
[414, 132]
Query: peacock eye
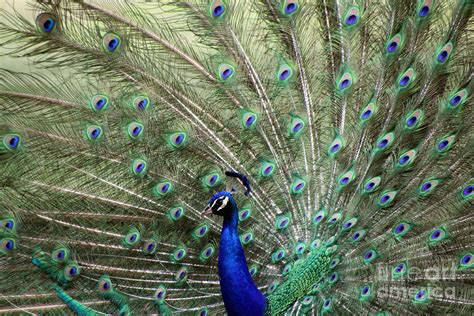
[160, 293]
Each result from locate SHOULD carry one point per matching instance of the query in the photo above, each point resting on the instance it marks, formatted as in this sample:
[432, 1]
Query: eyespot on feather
[12, 141]
[46, 22]
[111, 42]
[289, 8]
[218, 9]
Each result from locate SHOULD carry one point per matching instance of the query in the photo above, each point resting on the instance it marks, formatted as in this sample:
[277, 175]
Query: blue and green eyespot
[71, 270]
[60, 254]
[225, 72]
[413, 120]
[315, 289]
[278, 255]
[296, 126]
[46, 22]
[445, 143]
[284, 74]
[345, 82]
[246, 238]
[8, 224]
[368, 112]
[466, 261]
[315, 244]
[334, 262]
[307, 301]
[336, 146]
[352, 17]
[406, 79]
[372, 185]
[443, 54]
[132, 237]
[267, 168]
[406, 159]
[384, 142]
[457, 99]
[249, 120]
[202, 312]
[150, 246]
[467, 191]
[178, 140]
[11, 141]
[139, 167]
[99, 103]
[424, 8]
[7, 245]
[401, 229]
[105, 284]
[272, 287]
[319, 216]
[369, 256]
[282, 221]
[386, 198]
[394, 45]
[160, 294]
[201, 231]
[253, 270]
[327, 304]
[141, 103]
[175, 213]
[399, 270]
[244, 214]
[334, 219]
[297, 186]
[163, 188]
[349, 224]
[289, 7]
[94, 133]
[299, 248]
[422, 296]
[358, 236]
[437, 235]
[366, 292]
[218, 9]
[428, 186]
[211, 180]
[111, 42]
[346, 178]
[207, 252]
[179, 254]
[181, 275]
[135, 130]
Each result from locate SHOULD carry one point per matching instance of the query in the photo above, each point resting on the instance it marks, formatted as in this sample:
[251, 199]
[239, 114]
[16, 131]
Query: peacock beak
[207, 211]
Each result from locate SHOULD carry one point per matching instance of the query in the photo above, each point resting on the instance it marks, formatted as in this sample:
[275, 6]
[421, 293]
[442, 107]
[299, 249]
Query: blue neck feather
[241, 296]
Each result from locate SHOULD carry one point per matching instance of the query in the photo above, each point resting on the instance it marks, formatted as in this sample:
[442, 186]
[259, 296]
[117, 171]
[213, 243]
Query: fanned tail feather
[348, 122]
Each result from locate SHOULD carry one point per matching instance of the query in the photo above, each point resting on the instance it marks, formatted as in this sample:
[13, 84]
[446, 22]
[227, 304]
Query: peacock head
[222, 204]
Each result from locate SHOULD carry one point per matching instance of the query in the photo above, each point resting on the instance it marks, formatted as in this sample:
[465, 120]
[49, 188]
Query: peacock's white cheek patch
[224, 204]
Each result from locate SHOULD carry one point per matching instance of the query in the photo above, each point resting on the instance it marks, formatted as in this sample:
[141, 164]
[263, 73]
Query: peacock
[236, 157]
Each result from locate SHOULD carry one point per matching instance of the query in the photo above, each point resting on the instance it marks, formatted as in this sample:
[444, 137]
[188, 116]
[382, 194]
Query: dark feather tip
[243, 179]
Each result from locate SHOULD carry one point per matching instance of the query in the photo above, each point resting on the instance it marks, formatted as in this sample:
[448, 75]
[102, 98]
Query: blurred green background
[25, 8]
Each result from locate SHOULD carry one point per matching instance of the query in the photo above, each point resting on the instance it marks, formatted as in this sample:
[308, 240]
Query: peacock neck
[239, 292]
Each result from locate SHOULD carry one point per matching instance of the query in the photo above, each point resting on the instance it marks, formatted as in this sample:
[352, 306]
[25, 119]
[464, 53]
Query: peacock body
[330, 144]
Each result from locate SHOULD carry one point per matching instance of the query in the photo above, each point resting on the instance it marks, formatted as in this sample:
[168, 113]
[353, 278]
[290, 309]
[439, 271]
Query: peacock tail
[351, 121]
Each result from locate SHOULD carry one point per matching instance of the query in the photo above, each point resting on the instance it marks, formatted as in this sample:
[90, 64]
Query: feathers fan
[348, 123]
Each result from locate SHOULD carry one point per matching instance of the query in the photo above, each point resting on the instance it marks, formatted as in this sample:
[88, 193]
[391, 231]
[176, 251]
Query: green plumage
[303, 276]
[352, 121]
